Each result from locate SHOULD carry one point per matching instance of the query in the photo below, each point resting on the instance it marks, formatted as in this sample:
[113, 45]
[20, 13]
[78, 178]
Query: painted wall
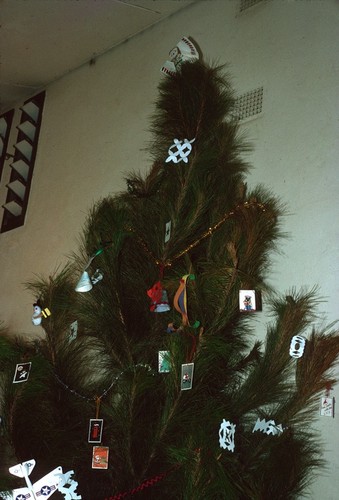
[94, 132]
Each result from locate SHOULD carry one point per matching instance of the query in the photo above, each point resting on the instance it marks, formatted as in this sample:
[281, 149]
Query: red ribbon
[146, 484]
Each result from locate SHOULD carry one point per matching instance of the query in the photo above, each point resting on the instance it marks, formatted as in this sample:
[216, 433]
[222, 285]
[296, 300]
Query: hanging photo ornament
[327, 403]
[226, 435]
[297, 346]
[247, 302]
[179, 151]
[269, 427]
[22, 371]
[187, 370]
[183, 51]
[159, 298]
[100, 457]
[95, 430]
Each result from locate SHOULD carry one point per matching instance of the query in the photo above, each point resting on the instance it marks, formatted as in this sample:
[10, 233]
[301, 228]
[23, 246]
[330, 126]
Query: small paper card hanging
[22, 371]
[100, 457]
[327, 407]
[187, 376]
[95, 430]
[247, 301]
[168, 231]
[164, 362]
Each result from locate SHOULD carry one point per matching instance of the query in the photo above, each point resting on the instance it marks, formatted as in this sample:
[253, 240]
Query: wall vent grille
[249, 105]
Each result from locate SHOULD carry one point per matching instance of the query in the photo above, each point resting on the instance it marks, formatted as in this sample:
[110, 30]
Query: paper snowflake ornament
[44, 487]
[297, 346]
[226, 435]
[183, 51]
[179, 151]
[270, 428]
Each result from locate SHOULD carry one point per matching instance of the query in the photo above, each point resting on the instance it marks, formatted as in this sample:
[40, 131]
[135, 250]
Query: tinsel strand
[211, 230]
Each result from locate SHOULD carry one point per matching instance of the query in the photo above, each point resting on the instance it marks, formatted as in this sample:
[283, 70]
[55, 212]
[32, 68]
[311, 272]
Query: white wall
[95, 128]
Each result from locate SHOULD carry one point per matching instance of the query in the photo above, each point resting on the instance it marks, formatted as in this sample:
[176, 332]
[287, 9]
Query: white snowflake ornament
[226, 435]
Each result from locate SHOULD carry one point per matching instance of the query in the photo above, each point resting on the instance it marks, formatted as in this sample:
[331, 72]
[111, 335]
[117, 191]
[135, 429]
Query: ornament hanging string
[106, 391]
[97, 406]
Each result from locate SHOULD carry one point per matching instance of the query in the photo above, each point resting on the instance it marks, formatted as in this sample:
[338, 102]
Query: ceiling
[42, 40]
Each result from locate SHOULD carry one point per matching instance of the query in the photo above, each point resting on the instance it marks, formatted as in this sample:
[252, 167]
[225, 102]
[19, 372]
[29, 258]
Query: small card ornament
[100, 457]
[269, 427]
[183, 51]
[247, 302]
[22, 371]
[73, 330]
[226, 435]
[297, 346]
[168, 231]
[327, 407]
[187, 370]
[95, 430]
[164, 362]
[179, 151]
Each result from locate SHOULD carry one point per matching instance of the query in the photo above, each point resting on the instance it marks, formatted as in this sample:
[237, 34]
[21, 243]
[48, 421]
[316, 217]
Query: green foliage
[224, 235]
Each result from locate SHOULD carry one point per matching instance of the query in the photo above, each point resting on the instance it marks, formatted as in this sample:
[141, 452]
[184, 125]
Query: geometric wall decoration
[5, 128]
[22, 167]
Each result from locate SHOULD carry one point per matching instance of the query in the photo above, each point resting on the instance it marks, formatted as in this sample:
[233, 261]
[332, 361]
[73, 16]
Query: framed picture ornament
[247, 301]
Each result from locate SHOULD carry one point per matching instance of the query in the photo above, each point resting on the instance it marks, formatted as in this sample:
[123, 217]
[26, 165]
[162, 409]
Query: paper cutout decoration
[164, 365]
[297, 346]
[179, 151]
[226, 435]
[73, 330]
[22, 371]
[39, 313]
[159, 298]
[183, 51]
[44, 487]
[67, 486]
[269, 427]
[100, 457]
[187, 370]
[95, 430]
[247, 302]
[327, 407]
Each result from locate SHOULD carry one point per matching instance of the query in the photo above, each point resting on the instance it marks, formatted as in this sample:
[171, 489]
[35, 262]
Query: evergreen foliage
[224, 235]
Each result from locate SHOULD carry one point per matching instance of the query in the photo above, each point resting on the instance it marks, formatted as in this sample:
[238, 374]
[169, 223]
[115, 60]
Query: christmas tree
[162, 366]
